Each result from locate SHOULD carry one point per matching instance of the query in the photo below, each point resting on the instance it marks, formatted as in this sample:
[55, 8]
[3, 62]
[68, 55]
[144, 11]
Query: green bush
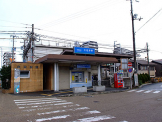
[148, 77]
[6, 74]
[140, 82]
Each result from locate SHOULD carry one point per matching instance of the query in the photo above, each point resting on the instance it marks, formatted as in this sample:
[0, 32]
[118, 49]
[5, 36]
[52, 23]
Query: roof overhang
[52, 58]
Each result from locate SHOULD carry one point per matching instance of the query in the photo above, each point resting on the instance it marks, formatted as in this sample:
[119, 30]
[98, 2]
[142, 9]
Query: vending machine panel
[118, 79]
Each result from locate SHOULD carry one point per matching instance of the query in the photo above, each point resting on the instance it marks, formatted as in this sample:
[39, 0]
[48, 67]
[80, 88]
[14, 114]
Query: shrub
[6, 74]
[140, 82]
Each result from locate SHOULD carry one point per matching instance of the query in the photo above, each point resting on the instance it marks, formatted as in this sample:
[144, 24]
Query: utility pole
[148, 59]
[134, 46]
[32, 42]
[13, 47]
[114, 53]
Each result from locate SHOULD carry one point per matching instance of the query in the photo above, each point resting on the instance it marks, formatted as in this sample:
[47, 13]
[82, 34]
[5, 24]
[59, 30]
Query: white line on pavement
[140, 91]
[52, 118]
[148, 91]
[59, 111]
[131, 90]
[38, 99]
[156, 92]
[96, 118]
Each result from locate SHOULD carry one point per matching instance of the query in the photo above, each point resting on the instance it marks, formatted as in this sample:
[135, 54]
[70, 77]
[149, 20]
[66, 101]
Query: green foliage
[6, 74]
[148, 77]
[143, 78]
[140, 82]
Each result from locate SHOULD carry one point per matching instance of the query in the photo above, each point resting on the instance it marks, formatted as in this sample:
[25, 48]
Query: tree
[6, 76]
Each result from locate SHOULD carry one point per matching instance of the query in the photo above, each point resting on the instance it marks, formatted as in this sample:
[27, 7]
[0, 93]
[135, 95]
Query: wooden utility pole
[32, 42]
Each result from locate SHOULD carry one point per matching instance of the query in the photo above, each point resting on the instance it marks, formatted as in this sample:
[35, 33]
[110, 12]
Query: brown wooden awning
[51, 58]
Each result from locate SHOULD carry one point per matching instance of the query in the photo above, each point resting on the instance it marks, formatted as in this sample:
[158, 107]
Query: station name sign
[83, 66]
[82, 50]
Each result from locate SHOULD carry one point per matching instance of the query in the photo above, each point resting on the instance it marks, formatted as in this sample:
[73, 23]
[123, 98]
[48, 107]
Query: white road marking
[96, 118]
[140, 91]
[52, 118]
[35, 102]
[48, 105]
[30, 105]
[156, 92]
[148, 91]
[63, 103]
[92, 112]
[58, 111]
[37, 99]
[38, 103]
[131, 90]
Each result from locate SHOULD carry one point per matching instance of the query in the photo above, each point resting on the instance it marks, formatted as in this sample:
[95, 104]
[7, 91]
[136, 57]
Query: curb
[144, 85]
[92, 93]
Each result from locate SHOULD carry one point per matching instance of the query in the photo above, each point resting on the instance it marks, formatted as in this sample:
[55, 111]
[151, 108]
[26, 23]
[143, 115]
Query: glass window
[151, 68]
[124, 63]
[24, 74]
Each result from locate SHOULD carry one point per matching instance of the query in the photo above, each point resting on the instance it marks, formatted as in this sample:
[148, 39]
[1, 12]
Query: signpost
[129, 64]
[130, 71]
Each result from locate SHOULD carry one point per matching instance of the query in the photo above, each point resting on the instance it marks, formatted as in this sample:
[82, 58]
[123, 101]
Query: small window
[18, 66]
[24, 66]
[36, 67]
[24, 74]
[31, 67]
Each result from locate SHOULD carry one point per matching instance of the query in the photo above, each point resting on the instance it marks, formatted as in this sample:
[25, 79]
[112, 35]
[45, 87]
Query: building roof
[159, 61]
[51, 58]
[143, 62]
[98, 54]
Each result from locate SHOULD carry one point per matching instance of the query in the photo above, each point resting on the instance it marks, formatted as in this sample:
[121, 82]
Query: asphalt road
[139, 105]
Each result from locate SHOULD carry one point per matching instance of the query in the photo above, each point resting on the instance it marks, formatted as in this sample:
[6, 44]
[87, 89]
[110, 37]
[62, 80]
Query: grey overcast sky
[104, 21]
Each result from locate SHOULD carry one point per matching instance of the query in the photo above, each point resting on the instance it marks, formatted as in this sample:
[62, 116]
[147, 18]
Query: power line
[15, 22]
[13, 26]
[12, 31]
[148, 20]
[78, 14]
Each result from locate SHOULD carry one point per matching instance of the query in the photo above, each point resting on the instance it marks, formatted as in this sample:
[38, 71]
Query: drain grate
[96, 101]
[88, 96]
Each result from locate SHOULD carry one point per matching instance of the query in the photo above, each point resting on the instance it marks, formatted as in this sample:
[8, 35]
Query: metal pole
[134, 47]
[13, 49]
[148, 59]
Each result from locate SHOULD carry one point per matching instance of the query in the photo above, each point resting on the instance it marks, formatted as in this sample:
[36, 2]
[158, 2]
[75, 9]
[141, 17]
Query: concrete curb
[92, 93]
[144, 85]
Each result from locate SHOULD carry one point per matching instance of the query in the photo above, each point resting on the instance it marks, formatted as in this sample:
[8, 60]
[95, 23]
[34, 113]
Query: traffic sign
[129, 64]
[130, 70]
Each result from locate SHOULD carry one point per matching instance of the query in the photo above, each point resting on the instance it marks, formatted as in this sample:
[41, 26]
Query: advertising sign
[81, 50]
[17, 81]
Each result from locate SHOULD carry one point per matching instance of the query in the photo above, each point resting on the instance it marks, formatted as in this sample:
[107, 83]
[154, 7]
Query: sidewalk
[69, 92]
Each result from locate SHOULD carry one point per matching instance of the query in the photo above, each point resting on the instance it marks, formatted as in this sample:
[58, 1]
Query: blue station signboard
[81, 50]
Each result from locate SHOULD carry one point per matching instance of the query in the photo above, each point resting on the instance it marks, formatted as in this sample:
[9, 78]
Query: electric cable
[148, 20]
[15, 22]
[75, 15]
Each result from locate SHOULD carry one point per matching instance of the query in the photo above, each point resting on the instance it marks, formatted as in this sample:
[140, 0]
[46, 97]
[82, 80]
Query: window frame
[27, 76]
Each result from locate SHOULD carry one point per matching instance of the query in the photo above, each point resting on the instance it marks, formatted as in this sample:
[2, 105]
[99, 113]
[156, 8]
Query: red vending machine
[118, 79]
